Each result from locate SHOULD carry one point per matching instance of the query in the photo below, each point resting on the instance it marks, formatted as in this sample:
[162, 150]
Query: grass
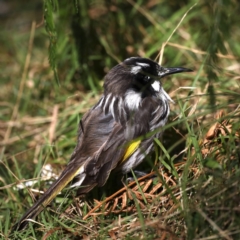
[195, 194]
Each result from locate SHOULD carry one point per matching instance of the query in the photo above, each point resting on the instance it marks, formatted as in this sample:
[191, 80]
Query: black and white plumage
[133, 104]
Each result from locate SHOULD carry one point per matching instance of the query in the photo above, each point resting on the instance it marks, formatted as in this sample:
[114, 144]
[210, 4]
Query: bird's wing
[100, 146]
[104, 143]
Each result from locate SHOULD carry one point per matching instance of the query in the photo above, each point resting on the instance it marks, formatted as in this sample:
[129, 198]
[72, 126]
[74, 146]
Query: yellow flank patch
[131, 149]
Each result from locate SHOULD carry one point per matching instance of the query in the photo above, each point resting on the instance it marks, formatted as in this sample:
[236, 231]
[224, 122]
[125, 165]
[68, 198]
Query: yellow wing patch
[131, 149]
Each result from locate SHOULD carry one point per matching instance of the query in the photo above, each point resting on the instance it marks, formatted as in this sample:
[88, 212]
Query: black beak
[168, 71]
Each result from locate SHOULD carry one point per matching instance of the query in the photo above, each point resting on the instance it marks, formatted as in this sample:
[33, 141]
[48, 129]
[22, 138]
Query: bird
[114, 134]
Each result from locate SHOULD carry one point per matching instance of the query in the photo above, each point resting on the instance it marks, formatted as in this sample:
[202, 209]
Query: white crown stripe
[143, 64]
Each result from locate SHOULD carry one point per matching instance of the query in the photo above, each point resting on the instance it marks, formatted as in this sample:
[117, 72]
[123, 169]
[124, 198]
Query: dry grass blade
[199, 51]
[147, 185]
[124, 200]
[223, 234]
[175, 29]
[52, 127]
[156, 188]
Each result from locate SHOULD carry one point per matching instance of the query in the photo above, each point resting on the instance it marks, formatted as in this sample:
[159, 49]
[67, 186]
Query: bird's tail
[64, 179]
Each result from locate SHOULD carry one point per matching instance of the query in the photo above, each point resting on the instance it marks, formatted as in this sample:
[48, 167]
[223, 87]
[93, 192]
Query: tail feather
[65, 178]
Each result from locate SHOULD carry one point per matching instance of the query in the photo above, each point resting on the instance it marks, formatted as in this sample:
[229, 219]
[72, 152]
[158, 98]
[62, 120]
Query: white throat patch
[133, 99]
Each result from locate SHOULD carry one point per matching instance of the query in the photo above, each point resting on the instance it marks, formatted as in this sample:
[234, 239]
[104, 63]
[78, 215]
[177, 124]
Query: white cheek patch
[136, 69]
[156, 86]
[132, 99]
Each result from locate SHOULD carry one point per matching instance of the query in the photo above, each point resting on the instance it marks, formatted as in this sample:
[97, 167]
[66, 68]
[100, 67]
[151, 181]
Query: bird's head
[138, 74]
